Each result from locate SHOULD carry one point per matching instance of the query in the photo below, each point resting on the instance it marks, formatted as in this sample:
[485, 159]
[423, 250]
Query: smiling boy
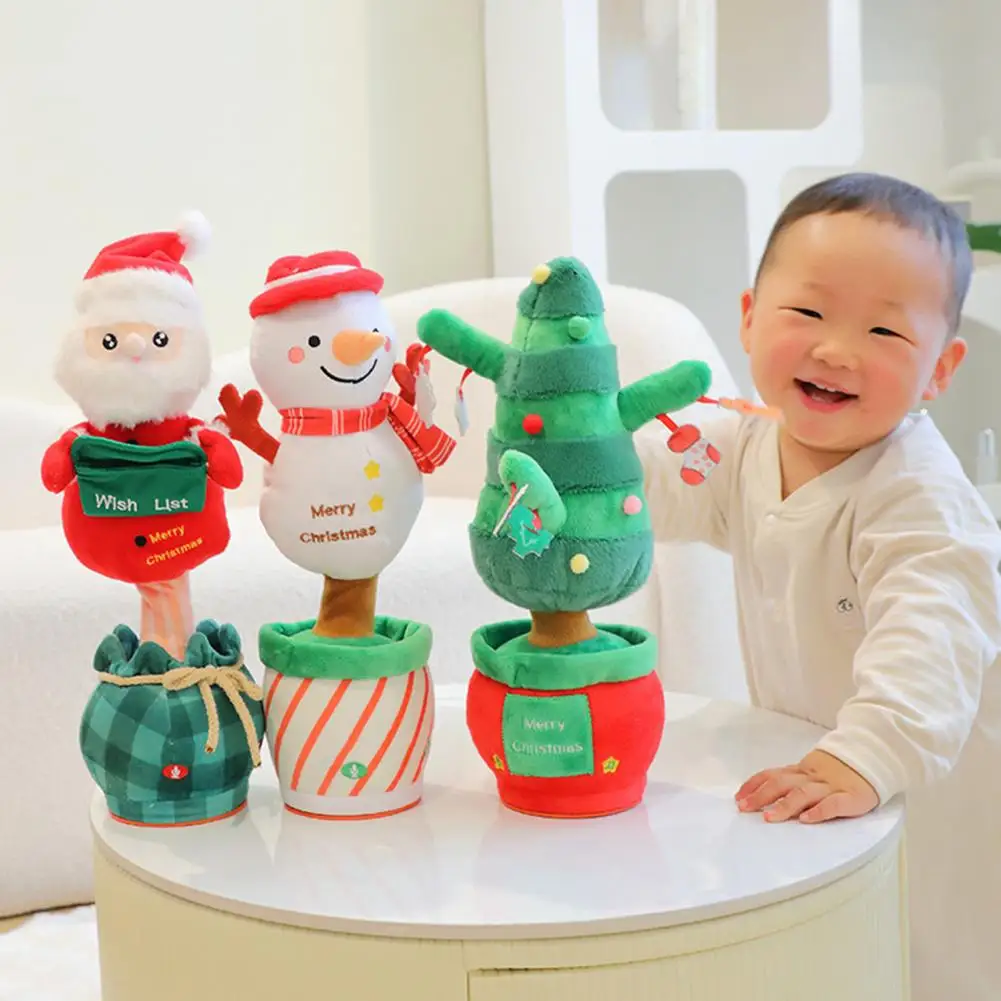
[865, 563]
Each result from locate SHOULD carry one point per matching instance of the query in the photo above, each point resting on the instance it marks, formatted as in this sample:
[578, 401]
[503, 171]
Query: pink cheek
[782, 354]
[387, 347]
[296, 355]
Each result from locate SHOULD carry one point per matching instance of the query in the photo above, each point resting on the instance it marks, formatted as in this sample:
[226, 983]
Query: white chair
[53, 612]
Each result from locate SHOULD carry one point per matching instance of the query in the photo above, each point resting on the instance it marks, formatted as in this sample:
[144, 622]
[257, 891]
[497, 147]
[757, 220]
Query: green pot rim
[293, 649]
[211, 645]
[546, 671]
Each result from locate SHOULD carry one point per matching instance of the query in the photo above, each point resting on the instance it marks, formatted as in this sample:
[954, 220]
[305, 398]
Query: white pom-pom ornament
[195, 233]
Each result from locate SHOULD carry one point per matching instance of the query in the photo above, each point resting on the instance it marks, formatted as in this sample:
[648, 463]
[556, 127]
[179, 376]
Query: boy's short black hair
[896, 201]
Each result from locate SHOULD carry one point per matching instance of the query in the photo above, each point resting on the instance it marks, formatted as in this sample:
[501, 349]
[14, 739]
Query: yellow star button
[376, 503]
[498, 763]
[609, 765]
[372, 470]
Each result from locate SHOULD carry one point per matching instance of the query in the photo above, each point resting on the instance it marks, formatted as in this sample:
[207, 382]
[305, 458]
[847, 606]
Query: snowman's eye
[109, 342]
[160, 339]
[314, 341]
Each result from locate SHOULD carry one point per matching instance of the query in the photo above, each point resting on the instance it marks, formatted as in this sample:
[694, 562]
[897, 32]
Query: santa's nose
[352, 347]
[134, 345]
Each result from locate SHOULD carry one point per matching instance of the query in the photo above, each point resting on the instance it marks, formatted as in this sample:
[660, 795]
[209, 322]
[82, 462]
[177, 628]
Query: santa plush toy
[142, 480]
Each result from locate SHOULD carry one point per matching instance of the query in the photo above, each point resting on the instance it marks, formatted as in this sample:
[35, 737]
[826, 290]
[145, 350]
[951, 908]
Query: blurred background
[413, 133]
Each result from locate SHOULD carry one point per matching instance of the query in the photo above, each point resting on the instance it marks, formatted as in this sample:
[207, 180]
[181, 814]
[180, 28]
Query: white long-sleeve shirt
[869, 602]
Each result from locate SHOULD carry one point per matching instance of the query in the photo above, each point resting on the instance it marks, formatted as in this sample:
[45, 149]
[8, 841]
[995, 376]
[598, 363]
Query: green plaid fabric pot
[173, 743]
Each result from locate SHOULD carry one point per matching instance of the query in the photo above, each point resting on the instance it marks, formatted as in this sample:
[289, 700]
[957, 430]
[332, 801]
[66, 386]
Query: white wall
[685, 234]
[932, 90]
[902, 59]
[932, 94]
[294, 126]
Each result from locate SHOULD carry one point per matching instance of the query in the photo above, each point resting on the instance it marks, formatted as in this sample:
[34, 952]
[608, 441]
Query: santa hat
[142, 279]
[292, 280]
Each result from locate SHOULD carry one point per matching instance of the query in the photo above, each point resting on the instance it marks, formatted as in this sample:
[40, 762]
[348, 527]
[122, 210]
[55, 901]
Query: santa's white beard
[120, 391]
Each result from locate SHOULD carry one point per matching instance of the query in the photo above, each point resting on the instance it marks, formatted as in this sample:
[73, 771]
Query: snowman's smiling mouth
[361, 378]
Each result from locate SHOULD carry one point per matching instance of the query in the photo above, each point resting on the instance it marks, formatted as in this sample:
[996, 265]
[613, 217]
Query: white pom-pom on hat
[195, 232]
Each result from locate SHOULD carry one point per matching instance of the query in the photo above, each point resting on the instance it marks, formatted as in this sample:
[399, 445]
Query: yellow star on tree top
[609, 765]
[376, 503]
[372, 470]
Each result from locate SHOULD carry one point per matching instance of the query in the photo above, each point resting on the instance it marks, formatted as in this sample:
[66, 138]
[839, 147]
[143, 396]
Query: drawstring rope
[231, 680]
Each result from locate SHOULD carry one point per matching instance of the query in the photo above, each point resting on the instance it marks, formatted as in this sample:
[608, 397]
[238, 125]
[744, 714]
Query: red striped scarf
[429, 446]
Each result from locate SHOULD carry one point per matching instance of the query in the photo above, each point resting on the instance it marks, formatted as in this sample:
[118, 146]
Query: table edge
[630, 924]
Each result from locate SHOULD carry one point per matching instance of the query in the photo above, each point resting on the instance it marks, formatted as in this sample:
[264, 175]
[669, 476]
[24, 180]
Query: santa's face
[127, 373]
[335, 354]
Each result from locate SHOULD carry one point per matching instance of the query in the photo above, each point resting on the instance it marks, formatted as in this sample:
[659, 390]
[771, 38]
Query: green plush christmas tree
[562, 525]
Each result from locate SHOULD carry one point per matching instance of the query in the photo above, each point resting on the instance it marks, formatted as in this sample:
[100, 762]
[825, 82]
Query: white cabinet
[651, 138]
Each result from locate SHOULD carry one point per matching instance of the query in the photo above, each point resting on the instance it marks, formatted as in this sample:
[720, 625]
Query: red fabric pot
[579, 751]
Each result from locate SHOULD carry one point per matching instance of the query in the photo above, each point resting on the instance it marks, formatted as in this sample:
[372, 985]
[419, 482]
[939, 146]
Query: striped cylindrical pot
[349, 721]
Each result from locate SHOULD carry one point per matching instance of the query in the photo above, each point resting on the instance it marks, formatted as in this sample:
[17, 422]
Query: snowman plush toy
[345, 483]
[349, 701]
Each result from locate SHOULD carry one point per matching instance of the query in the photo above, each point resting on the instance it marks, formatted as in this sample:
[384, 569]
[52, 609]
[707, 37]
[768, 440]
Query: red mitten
[240, 415]
[410, 377]
[407, 383]
[224, 464]
[57, 464]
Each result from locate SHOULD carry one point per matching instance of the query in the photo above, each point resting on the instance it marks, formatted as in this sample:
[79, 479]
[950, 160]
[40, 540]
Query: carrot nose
[352, 347]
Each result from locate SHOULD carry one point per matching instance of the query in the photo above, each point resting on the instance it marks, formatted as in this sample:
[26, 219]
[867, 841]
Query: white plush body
[318, 488]
[323, 485]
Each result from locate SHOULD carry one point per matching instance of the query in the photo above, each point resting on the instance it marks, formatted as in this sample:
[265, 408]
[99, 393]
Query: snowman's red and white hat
[141, 279]
[292, 280]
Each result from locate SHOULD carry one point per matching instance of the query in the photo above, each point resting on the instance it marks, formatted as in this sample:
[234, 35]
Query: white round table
[682, 897]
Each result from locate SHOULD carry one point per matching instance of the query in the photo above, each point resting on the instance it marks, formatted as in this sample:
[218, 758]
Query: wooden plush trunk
[567, 733]
[349, 721]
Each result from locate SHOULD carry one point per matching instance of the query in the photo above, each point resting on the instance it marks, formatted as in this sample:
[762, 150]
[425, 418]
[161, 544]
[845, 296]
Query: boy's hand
[820, 787]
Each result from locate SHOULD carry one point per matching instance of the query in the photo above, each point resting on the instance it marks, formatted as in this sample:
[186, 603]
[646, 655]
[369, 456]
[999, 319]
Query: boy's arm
[926, 558]
[680, 512]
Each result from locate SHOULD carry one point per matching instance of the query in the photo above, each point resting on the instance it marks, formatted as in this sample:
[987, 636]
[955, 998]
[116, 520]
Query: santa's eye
[314, 341]
[109, 342]
[160, 339]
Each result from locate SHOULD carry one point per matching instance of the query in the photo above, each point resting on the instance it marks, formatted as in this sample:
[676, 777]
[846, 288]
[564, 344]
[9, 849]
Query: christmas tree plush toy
[348, 694]
[569, 715]
[142, 483]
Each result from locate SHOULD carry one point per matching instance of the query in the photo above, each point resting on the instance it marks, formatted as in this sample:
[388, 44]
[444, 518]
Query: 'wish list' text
[128, 505]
